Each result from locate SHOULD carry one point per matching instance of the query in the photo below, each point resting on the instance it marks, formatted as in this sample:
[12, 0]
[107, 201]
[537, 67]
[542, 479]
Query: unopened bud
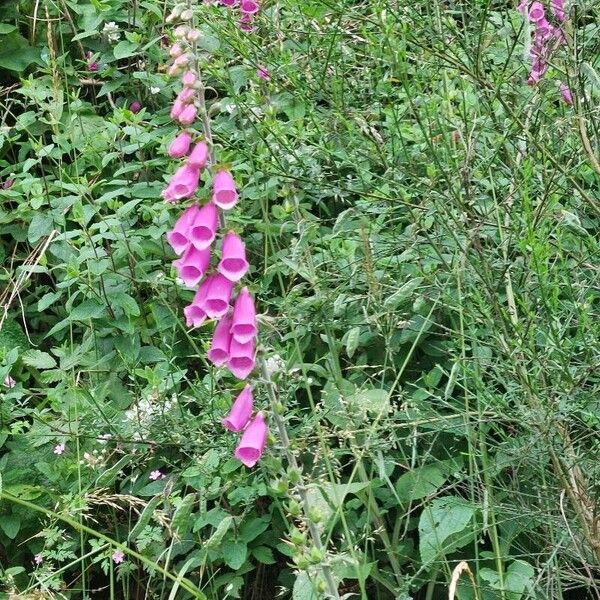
[193, 35]
[316, 556]
[187, 15]
[294, 508]
[297, 537]
[315, 515]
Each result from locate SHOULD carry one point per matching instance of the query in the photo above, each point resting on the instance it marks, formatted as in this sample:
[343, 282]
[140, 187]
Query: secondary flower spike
[179, 236]
[253, 441]
[224, 191]
[241, 411]
[199, 156]
[233, 257]
[219, 347]
[243, 327]
[241, 358]
[183, 184]
[204, 226]
[192, 266]
[180, 146]
[194, 312]
[218, 295]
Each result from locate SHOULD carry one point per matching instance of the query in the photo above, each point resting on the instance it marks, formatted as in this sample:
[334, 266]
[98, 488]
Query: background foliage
[423, 234]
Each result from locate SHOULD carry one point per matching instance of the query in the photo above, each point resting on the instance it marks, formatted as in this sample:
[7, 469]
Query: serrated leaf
[47, 300]
[39, 359]
[41, 225]
[264, 555]
[234, 553]
[89, 309]
[420, 483]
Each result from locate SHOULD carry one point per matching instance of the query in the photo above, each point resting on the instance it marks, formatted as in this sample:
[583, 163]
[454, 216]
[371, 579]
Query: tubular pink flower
[243, 326]
[219, 347]
[175, 50]
[241, 358]
[179, 237]
[566, 93]
[181, 61]
[184, 182]
[193, 35]
[186, 95]
[192, 266]
[173, 70]
[180, 146]
[249, 7]
[218, 295]
[204, 227]
[253, 441]
[241, 411]
[233, 257]
[536, 12]
[199, 155]
[228, 2]
[178, 107]
[189, 78]
[194, 313]
[224, 191]
[187, 115]
[558, 9]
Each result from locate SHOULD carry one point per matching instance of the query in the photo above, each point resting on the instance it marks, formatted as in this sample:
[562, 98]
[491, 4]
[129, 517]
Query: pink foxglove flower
[186, 95]
[177, 109]
[180, 146]
[219, 347]
[241, 358]
[175, 50]
[224, 191]
[199, 155]
[233, 257]
[229, 2]
[253, 441]
[184, 182]
[188, 115]
[192, 266]
[243, 327]
[536, 12]
[194, 312]
[249, 7]
[193, 36]
[218, 295]
[179, 236]
[189, 78]
[204, 227]
[566, 93]
[181, 61]
[118, 557]
[241, 411]
[558, 9]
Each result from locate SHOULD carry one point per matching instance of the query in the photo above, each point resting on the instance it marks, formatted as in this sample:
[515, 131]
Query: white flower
[154, 90]
[111, 31]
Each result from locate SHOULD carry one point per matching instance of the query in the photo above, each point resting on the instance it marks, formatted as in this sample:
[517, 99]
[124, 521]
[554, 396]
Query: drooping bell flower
[566, 93]
[194, 313]
[536, 12]
[218, 295]
[184, 182]
[203, 229]
[189, 78]
[176, 50]
[224, 191]
[179, 236]
[241, 358]
[193, 36]
[249, 7]
[180, 146]
[219, 347]
[186, 95]
[558, 9]
[199, 155]
[192, 266]
[187, 115]
[228, 2]
[233, 257]
[253, 441]
[181, 61]
[243, 326]
[177, 109]
[241, 411]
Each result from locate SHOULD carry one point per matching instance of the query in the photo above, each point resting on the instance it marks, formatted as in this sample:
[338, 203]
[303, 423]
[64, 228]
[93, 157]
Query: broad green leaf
[303, 588]
[124, 49]
[181, 516]
[420, 483]
[89, 309]
[10, 524]
[352, 339]
[264, 554]
[234, 553]
[250, 530]
[39, 359]
[41, 225]
[216, 538]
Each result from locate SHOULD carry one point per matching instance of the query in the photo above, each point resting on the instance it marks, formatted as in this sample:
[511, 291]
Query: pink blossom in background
[154, 475]
[241, 358]
[243, 327]
[118, 557]
[135, 106]
[8, 183]
[263, 73]
[180, 146]
[175, 50]
[193, 36]
[536, 12]
[233, 257]
[188, 115]
[219, 347]
[199, 155]
[194, 313]
[249, 7]
[59, 448]
[9, 382]
[181, 61]
[192, 266]
[253, 441]
[565, 92]
[241, 410]
[218, 295]
[224, 191]
[558, 9]
[189, 78]
[186, 95]
[203, 229]
[228, 2]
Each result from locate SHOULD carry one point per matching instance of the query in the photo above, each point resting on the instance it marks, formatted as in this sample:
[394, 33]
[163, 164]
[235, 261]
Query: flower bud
[187, 15]
[315, 515]
[316, 556]
[297, 537]
[293, 508]
[193, 35]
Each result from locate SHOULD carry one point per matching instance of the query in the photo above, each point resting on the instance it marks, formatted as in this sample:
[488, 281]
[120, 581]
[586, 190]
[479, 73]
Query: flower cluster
[193, 238]
[247, 8]
[546, 38]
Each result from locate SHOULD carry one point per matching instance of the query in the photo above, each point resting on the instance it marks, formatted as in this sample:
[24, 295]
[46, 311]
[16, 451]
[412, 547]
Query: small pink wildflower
[59, 448]
[9, 382]
[93, 66]
[156, 475]
[566, 93]
[38, 559]
[118, 557]
[263, 73]
[8, 183]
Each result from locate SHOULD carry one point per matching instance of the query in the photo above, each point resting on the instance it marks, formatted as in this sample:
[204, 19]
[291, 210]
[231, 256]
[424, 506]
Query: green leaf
[303, 588]
[181, 517]
[108, 477]
[420, 483]
[264, 554]
[216, 538]
[352, 339]
[145, 517]
[38, 359]
[6, 28]
[47, 300]
[124, 49]
[440, 525]
[15, 52]
[89, 309]
[41, 225]
[10, 524]
[234, 553]
[250, 530]
[517, 579]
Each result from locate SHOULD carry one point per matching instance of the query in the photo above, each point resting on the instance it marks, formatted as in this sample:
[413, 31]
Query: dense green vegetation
[422, 228]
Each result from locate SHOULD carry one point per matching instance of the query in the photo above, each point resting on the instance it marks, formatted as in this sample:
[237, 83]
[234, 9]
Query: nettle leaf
[41, 225]
[39, 359]
[264, 554]
[234, 553]
[89, 309]
[443, 527]
[10, 524]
